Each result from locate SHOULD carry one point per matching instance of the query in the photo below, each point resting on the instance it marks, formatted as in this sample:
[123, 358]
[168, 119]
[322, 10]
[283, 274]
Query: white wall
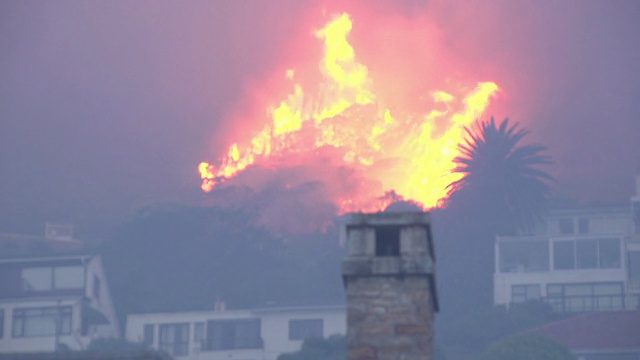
[274, 329]
[93, 267]
[104, 303]
[615, 222]
[10, 344]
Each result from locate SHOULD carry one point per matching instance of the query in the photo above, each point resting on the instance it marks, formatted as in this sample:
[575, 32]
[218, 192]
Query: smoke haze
[105, 106]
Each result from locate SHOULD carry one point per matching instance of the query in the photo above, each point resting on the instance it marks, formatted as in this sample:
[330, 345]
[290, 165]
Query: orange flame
[410, 155]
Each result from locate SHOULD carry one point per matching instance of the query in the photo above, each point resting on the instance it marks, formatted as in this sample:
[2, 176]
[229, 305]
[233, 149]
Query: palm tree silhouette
[500, 178]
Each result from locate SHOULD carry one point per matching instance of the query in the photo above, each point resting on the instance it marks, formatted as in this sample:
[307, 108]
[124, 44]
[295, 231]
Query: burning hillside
[349, 135]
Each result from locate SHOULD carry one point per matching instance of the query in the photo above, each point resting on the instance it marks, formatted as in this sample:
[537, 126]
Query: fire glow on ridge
[408, 153]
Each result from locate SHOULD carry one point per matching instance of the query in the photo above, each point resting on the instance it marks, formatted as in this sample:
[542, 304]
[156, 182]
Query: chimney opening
[388, 241]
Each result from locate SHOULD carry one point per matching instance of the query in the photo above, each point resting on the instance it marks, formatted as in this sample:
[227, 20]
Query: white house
[52, 295]
[577, 260]
[249, 334]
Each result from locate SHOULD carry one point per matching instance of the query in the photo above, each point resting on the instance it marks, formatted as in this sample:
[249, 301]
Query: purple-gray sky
[110, 105]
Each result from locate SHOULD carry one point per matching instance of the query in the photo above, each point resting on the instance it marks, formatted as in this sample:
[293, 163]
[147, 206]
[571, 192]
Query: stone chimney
[389, 277]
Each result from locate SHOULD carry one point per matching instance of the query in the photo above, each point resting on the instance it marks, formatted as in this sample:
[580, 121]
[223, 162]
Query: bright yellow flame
[346, 114]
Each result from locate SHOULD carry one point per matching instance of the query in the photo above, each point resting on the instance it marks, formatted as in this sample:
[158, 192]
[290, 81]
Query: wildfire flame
[409, 154]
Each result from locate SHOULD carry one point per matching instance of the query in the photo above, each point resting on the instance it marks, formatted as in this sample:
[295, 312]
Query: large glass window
[68, 277]
[37, 279]
[592, 253]
[174, 339]
[610, 254]
[44, 321]
[523, 256]
[233, 334]
[587, 254]
[302, 329]
[564, 255]
[50, 278]
[522, 293]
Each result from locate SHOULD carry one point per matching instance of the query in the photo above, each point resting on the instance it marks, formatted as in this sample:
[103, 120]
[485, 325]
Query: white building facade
[235, 334]
[577, 260]
[52, 301]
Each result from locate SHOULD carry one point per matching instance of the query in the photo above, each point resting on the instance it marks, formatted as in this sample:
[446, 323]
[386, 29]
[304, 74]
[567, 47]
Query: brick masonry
[391, 296]
[389, 318]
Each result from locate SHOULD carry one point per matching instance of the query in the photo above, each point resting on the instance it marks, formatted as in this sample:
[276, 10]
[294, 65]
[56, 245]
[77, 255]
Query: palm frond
[492, 161]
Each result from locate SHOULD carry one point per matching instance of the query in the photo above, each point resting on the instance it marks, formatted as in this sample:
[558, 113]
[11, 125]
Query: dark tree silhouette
[501, 178]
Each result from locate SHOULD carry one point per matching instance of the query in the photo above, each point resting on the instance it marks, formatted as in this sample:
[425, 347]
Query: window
[37, 279]
[44, 321]
[564, 255]
[523, 256]
[1, 323]
[609, 253]
[594, 253]
[147, 334]
[233, 334]
[50, 278]
[198, 333]
[587, 254]
[566, 226]
[388, 241]
[583, 225]
[522, 293]
[585, 297]
[68, 277]
[303, 329]
[174, 339]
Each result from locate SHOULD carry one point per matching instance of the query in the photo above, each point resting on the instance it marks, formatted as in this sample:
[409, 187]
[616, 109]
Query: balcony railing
[583, 303]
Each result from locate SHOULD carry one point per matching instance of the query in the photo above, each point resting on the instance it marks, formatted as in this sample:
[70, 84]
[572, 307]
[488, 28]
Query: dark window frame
[234, 334]
[591, 301]
[62, 326]
[523, 292]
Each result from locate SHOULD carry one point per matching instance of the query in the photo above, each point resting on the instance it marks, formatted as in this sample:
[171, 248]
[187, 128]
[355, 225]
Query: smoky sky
[106, 106]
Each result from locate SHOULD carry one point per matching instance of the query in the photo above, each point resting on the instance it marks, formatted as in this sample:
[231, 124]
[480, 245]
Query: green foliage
[530, 346]
[332, 348]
